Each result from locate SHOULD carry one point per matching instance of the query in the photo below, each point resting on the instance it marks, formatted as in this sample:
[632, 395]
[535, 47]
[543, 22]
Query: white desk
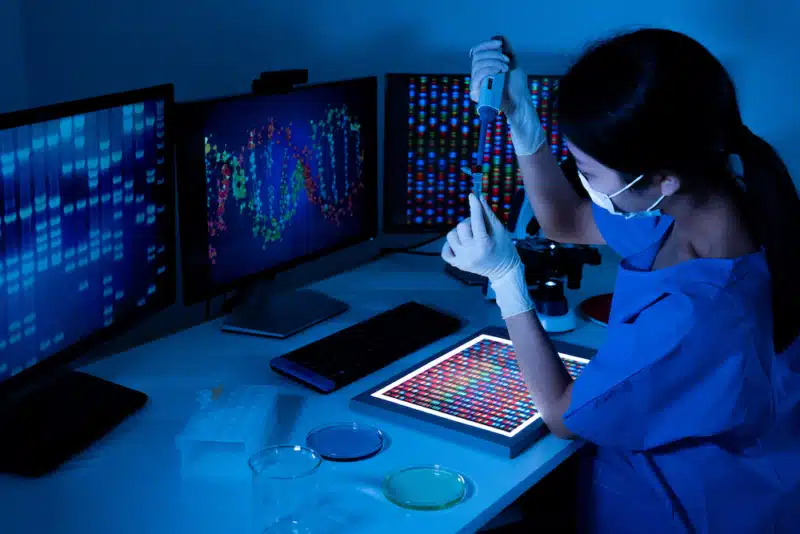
[130, 482]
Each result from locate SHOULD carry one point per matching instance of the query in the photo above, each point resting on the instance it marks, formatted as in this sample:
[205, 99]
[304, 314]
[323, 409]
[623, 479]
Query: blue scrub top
[696, 422]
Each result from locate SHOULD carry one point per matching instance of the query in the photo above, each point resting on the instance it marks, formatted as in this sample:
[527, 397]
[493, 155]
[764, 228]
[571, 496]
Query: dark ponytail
[774, 207]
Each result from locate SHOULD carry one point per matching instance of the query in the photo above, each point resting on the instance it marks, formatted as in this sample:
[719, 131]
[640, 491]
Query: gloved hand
[481, 245]
[488, 59]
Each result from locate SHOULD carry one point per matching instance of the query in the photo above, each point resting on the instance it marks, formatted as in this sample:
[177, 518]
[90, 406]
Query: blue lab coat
[694, 421]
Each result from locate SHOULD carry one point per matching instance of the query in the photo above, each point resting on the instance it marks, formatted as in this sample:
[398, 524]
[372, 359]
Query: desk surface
[130, 482]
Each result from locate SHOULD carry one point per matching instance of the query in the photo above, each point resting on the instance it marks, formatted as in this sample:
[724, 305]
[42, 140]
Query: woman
[692, 402]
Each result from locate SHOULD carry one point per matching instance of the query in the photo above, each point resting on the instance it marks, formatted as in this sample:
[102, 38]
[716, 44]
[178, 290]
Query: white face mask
[604, 201]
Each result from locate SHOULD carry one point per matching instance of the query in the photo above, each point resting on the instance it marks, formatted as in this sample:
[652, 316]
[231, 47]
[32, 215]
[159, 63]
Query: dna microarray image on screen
[441, 136]
[478, 384]
[285, 176]
[83, 219]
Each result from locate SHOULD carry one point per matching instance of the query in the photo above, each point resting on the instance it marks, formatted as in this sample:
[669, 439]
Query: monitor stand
[58, 418]
[281, 314]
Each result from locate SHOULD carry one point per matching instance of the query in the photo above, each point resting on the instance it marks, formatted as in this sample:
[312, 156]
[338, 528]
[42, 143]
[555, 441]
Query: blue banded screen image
[285, 177]
[80, 227]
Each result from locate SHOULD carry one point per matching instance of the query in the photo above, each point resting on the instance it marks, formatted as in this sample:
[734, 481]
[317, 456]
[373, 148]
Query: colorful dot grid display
[478, 384]
[443, 131]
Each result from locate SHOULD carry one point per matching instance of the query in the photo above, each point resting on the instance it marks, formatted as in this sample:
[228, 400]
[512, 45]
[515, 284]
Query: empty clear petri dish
[425, 488]
[283, 462]
[346, 442]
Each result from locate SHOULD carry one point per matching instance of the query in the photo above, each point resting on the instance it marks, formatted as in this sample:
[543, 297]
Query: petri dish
[425, 488]
[597, 309]
[284, 462]
[346, 442]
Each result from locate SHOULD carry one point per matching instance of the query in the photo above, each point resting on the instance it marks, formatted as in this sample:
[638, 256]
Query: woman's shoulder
[693, 291]
[739, 285]
[707, 305]
[718, 318]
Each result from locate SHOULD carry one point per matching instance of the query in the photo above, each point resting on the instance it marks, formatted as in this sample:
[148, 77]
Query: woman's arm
[548, 381]
[482, 245]
[563, 215]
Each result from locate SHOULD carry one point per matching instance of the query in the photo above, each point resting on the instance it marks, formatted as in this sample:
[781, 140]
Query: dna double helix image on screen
[284, 178]
[442, 137]
[81, 235]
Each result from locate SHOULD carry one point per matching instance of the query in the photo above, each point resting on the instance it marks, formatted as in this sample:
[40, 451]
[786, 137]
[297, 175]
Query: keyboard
[465, 277]
[357, 351]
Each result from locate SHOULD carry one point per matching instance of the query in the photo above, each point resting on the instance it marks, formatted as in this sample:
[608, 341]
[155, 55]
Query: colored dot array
[481, 383]
[443, 131]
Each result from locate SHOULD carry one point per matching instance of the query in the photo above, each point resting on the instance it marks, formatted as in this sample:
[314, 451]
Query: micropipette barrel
[490, 100]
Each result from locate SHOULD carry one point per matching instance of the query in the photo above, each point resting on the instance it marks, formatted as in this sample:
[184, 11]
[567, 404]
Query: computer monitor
[268, 182]
[87, 247]
[432, 131]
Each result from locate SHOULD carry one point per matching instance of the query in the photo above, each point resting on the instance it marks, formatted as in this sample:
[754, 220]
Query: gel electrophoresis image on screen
[87, 227]
[432, 131]
[284, 176]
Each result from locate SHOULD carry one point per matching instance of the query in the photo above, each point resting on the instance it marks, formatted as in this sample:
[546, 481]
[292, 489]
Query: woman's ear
[669, 185]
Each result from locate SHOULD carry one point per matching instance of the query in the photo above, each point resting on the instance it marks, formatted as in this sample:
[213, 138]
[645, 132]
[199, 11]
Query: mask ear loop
[629, 216]
[657, 202]
[627, 186]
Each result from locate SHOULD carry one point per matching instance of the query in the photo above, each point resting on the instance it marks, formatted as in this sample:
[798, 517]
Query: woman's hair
[570, 170]
[657, 102]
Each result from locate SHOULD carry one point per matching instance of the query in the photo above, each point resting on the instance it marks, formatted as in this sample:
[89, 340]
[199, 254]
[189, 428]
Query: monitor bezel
[390, 189]
[62, 358]
[197, 287]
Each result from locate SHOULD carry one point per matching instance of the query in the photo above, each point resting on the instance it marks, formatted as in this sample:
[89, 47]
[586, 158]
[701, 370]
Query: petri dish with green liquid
[431, 487]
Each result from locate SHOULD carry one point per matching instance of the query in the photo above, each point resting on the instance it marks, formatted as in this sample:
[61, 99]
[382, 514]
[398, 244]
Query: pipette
[490, 100]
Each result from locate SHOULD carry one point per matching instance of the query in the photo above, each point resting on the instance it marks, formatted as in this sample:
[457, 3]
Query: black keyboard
[355, 352]
[465, 277]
